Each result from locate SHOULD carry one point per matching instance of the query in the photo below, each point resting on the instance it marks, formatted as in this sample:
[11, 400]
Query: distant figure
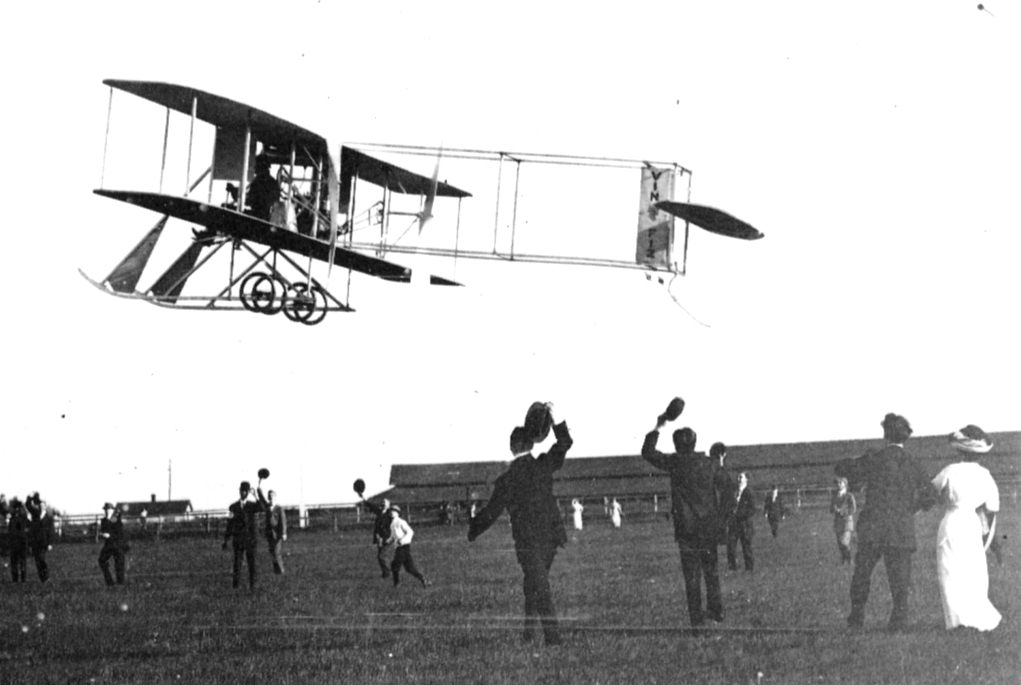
[40, 535]
[615, 512]
[897, 486]
[401, 535]
[969, 495]
[774, 509]
[381, 532]
[525, 490]
[696, 486]
[276, 528]
[143, 518]
[578, 509]
[843, 507]
[111, 530]
[473, 510]
[5, 511]
[17, 540]
[718, 453]
[241, 529]
[264, 191]
[740, 524]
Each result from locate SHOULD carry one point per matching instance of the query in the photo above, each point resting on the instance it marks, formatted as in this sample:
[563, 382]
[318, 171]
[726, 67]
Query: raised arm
[494, 507]
[554, 459]
[651, 454]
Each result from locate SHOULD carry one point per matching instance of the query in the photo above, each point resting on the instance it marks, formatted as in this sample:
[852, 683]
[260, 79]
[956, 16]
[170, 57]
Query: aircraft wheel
[262, 293]
[276, 299]
[306, 306]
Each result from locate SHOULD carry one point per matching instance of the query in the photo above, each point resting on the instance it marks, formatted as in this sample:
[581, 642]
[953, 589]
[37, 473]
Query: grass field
[332, 619]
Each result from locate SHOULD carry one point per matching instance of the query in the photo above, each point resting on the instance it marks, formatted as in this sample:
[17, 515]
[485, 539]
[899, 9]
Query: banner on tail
[654, 246]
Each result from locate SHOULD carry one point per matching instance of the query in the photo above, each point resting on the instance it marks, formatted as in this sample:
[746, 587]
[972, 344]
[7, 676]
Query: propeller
[430, 198]
[333, 188]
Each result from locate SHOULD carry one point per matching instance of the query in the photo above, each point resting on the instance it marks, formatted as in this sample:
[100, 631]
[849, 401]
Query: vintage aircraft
[268, 241]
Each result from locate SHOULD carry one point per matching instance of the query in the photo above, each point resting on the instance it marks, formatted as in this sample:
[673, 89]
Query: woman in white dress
[968, 492]
[578, 508]
[615, 512]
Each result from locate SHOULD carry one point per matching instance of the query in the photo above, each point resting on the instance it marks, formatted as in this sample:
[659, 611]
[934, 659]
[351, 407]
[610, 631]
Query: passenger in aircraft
[264, 190]
[697, 485]
[525, 490]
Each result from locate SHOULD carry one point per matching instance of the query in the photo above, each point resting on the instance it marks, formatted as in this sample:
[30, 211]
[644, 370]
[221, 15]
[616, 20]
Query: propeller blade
[430, 198]
[333, 188]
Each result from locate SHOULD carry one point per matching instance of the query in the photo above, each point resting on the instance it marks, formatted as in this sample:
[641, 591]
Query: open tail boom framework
[342, 206]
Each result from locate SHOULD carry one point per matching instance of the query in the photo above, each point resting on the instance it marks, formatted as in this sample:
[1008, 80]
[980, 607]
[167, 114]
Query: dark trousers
[118, 564]
[535, 563]
[696, 563]
[897, 561]
[276, 552]
[384, 565]
[740, 534]
[402, 558]
[246, 552]
[774, 524]
[41, 567]
[19, 565]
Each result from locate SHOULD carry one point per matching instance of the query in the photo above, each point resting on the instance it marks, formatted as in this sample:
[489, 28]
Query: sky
[874, 144]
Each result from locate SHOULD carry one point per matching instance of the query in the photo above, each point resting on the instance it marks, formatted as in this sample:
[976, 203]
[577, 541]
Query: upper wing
[712, 220]
[354, 163]
[245, 227]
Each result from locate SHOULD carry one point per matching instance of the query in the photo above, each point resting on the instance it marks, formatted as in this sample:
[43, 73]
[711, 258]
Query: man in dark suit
[17, 540]
[40, 534]
[697, 484]
[896, 486]
[774, 509]
[276, 528]
[111, 530]
[380, 532]
[740, 523]
[241, 529]
[525, 490]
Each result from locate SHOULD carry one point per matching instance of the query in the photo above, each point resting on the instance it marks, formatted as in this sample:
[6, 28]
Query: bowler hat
[896, 428]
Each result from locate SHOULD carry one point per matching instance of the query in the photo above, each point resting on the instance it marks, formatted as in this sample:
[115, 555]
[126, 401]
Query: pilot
[264, 191]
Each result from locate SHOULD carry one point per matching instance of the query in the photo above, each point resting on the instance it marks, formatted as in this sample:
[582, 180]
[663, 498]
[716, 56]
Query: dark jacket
[896, 486]
[525, 490]
[741, 513]
[276, 519]
[115, 528]
[17, 531]
[381, 526]
[774, 508]
[241, 525]
[697, 486]
[40, 532]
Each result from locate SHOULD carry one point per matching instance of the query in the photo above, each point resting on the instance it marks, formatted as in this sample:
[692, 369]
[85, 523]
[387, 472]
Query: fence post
[655, 504]
[334, 521]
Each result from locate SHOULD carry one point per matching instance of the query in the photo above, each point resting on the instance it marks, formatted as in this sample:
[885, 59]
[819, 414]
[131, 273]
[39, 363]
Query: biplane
[283, 207]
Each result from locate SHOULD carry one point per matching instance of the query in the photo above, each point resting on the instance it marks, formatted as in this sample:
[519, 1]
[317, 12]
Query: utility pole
[170, 476]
